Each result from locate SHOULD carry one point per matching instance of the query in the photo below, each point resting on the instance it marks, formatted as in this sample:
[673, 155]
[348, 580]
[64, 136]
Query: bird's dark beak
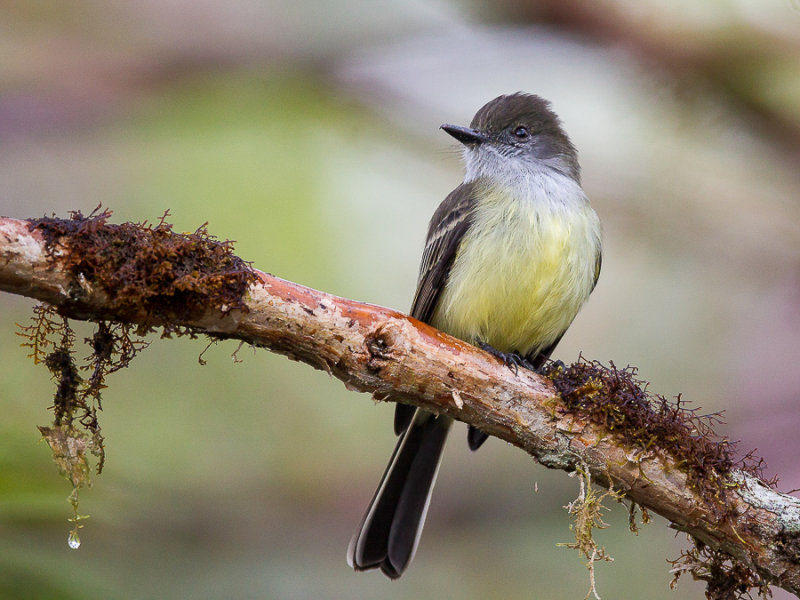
[465, 135]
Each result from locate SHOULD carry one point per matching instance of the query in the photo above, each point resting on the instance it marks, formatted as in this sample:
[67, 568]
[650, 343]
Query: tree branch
[393, 356]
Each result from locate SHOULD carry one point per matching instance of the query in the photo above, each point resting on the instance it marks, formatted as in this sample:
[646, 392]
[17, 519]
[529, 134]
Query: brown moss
[140, 269]
[620, 403]
[148, 269]
[77, 398]
[725, 577]
[148, 274]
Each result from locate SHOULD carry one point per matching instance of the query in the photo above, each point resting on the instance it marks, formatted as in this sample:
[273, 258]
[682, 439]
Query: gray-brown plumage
[522, 186]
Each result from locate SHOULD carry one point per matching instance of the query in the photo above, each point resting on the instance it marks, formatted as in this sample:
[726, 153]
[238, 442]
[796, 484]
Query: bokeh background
[307, 131]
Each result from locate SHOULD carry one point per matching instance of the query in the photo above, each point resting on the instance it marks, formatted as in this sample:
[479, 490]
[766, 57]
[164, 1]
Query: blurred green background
[307, 131]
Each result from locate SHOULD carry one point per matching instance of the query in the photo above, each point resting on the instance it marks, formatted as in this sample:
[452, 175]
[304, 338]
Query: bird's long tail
[388, 535]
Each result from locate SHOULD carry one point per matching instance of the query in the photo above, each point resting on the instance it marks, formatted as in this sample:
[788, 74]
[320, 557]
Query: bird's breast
[523, 269]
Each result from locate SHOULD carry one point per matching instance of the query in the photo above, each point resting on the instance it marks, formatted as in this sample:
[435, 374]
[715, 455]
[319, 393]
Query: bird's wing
[448, 225]
[598, 263]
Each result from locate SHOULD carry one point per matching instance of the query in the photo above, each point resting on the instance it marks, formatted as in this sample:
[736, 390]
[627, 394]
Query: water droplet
[73, 541]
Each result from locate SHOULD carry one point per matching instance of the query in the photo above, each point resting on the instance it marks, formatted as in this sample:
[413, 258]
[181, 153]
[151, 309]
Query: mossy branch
[659, 456]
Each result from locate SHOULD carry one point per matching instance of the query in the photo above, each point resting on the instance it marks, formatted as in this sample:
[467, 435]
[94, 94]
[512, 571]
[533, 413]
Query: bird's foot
[510, 359]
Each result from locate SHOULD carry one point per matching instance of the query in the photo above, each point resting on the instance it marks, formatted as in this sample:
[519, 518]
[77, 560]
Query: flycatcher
[511, 256]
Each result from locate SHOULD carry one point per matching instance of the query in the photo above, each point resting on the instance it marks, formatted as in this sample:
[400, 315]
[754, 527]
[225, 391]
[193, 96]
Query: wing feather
[445, 232]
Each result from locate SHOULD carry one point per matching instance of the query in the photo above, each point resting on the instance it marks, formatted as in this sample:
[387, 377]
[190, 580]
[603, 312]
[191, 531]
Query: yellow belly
[521, 274]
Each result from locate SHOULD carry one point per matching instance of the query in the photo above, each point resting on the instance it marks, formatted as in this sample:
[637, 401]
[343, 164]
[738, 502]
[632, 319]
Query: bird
[511, 256]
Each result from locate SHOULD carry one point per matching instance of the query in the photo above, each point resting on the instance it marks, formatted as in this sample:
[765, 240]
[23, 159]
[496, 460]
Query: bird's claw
[510, 359]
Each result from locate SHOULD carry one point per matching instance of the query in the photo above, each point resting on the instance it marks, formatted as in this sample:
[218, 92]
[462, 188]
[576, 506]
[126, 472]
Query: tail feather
[388, 535]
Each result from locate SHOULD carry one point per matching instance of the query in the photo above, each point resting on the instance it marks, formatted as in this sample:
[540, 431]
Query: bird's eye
[522, 133]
